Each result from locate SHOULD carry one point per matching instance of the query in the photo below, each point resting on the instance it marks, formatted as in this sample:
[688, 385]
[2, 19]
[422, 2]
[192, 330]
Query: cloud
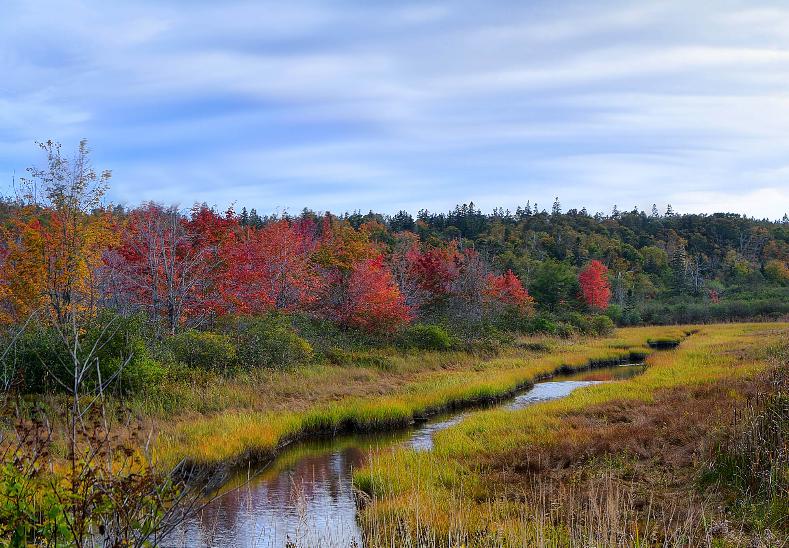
[392, 105]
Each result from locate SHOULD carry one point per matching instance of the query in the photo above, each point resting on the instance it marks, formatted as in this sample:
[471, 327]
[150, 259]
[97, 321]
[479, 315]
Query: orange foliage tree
[55, 246]
[374, 302]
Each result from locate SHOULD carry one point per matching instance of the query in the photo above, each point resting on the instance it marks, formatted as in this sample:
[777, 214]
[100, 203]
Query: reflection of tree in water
[306, 495]
[310, 491]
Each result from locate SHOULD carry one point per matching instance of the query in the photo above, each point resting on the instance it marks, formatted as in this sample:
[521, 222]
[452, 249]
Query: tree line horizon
[373, 272]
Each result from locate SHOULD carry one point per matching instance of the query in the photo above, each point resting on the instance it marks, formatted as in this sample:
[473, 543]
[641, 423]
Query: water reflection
[306, 496]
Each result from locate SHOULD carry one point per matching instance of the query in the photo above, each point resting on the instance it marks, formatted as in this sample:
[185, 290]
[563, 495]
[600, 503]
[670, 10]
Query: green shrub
[615, 312]
[204, 349]
[632, 316]
[601, 325]
[580, 322]
[426, 337]
[566, 330]
[124, 344]
[40, 361]
[269, 341]
[541, 324]
[35, 360]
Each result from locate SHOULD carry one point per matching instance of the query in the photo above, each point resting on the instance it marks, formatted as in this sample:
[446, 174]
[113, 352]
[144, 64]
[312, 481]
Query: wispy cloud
[391, 105]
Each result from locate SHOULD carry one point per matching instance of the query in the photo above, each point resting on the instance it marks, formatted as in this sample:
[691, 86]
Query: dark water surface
[305, 496]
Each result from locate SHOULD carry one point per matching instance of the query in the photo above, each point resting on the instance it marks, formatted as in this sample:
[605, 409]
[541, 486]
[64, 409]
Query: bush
[541, 324]
[566, 330]
[706, 312]
[426, 337]
[269, 341]
[631, 316]
[39, 360]
[125, 344]
[615, 312]
[580, 322]
[204, 349]
[36, 360]
[601, 325]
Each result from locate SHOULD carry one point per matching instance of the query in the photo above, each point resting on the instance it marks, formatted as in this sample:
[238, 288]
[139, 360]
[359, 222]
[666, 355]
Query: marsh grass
[599, 512]
[751, 462]
[333, 400]
[461, 492]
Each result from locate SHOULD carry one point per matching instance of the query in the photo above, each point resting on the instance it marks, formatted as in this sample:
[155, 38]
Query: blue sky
[393, 105]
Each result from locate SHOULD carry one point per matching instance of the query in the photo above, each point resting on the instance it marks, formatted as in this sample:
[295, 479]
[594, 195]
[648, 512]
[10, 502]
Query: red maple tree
[272, 268]
[373, 302]
[595, 289]
[436, 268]
[169, 265]
[507, 289]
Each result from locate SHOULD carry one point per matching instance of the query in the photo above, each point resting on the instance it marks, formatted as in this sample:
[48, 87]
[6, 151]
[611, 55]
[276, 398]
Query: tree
[272, 268]
[777, 271]
[435, 269]
[679, 265]
[402, 220]
[374, 303]
[404, 250]
[170, 266]
[23, 269]
[554, 284]
[595, 288]
[507, 289]
[467, 291]
[57, 239]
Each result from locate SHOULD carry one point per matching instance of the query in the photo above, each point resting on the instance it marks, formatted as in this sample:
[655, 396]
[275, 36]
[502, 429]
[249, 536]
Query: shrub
[580, 322]
[35, 360]
[541, 324]
[566, 330]
[601, 325]
[39, 360]
[426, 337]
[204, 349]
[125, 344]
[632, 316]
[269, 341]
[615, 312]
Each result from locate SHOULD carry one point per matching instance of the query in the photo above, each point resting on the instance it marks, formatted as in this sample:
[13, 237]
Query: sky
[359, 105]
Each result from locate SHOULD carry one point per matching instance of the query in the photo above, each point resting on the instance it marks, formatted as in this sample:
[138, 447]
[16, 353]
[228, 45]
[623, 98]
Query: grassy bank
[268, 412]
[614, 464]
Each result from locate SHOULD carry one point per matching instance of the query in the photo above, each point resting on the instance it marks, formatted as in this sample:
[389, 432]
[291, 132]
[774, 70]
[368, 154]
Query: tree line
[63, 248]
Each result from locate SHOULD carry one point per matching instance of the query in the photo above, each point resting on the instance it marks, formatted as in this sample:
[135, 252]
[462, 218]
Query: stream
[305, 495]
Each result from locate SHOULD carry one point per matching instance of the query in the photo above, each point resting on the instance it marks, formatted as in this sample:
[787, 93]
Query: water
[305, 496]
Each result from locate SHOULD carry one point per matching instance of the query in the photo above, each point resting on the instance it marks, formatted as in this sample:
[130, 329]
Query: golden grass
[331, 399]
[430, 498]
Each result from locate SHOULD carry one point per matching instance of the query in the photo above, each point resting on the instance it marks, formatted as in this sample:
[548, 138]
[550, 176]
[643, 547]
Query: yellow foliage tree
[55, 246]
